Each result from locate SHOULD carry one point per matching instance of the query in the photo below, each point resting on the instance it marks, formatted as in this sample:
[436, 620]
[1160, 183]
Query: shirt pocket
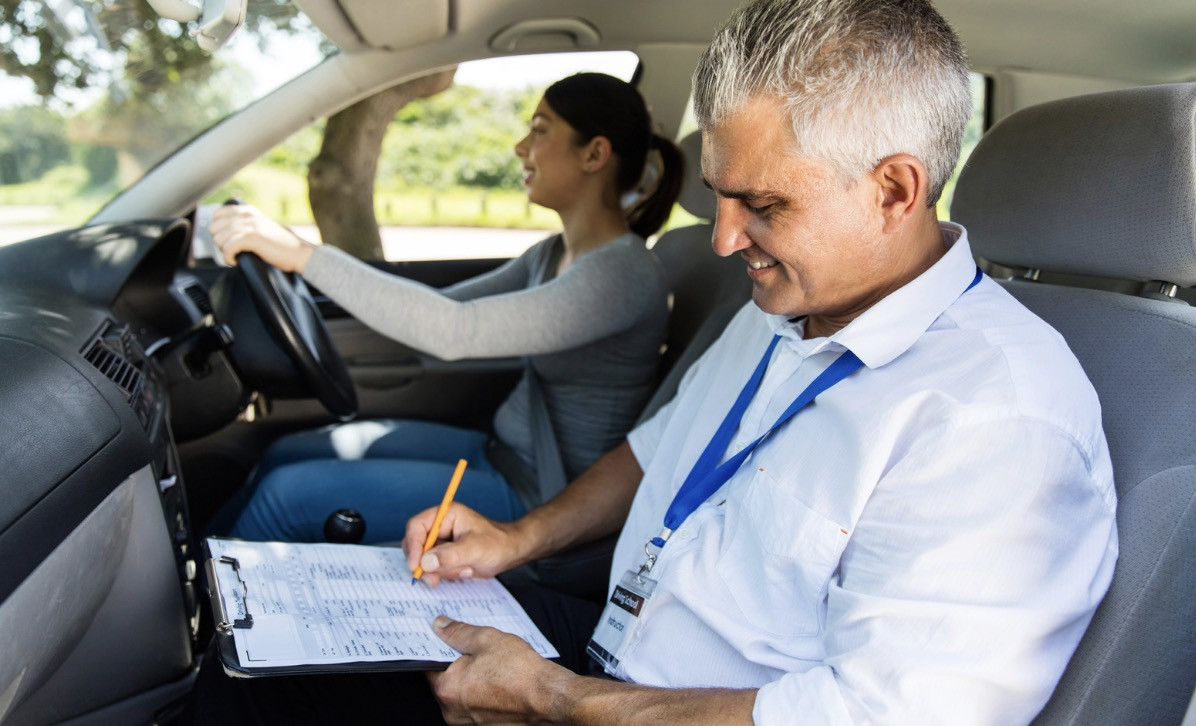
[778, 559]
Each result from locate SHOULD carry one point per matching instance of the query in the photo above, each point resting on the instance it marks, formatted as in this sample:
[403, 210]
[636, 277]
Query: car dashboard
[98, 589]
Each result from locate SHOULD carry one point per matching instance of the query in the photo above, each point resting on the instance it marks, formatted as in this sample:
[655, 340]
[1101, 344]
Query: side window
[971, 136]
[447, 184]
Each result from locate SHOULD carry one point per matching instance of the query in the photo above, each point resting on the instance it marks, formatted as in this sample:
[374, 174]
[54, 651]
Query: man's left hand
[498, 679]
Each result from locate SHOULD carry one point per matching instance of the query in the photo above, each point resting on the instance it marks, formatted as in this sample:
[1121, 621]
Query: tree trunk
[340, 180]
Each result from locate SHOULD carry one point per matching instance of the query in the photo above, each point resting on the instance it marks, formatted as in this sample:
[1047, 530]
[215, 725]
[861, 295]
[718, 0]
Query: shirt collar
[893, 325]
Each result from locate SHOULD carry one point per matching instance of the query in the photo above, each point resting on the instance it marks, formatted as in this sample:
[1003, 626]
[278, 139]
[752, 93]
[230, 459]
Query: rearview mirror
[215, 21]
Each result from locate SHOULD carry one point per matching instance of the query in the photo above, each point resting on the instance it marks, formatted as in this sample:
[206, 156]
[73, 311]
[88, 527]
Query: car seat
[1085, 196]
[705, 291]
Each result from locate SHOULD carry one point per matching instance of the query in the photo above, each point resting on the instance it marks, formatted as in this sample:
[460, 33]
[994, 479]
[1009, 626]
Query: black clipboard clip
[224, 624]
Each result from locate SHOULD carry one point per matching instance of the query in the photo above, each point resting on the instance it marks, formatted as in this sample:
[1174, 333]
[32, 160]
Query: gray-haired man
[927, 542]
[924, 543]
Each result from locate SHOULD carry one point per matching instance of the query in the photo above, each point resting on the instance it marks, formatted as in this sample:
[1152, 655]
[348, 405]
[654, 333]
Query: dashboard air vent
[113, 365]
[199, 296]
[114, 353]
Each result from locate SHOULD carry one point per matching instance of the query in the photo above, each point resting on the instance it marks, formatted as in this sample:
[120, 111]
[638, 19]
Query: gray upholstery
[696, 198]
[698, 279]
[1103, 185]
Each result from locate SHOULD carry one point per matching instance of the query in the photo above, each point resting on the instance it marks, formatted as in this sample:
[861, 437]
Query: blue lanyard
[707, 475]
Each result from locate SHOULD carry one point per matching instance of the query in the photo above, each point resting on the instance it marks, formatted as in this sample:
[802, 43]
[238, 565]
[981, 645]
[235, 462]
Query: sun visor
[392, 26]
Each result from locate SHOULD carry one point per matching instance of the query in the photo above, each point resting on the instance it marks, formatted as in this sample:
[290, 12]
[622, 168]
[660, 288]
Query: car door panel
[395, 380]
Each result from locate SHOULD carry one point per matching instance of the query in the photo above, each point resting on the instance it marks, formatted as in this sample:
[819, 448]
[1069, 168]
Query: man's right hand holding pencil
[469, 545]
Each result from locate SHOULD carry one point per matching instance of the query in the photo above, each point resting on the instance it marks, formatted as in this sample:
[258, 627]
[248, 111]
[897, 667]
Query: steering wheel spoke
[289, 313]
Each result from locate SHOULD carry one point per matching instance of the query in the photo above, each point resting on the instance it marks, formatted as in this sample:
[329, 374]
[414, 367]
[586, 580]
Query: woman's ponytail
[649, 214]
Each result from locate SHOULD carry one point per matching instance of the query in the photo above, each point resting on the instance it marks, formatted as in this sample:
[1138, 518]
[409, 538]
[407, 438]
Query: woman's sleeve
[601, 294]
[510, 276]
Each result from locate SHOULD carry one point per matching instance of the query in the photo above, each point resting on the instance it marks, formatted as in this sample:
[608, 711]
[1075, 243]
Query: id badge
[619, 620]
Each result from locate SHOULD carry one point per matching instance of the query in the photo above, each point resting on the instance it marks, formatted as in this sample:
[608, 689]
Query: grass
[283, 196]
[64, 193]
[68, 200]
[280, 194]
[467, 207]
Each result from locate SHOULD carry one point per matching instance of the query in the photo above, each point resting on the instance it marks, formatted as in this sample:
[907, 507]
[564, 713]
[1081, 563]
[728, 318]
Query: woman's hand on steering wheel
[238, 228]
[270, 258]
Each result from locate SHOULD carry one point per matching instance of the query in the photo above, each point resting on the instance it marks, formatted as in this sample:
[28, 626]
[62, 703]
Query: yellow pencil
[443, 510]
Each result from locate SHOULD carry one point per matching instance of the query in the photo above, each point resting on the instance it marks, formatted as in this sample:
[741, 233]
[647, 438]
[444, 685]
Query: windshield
[94, 93]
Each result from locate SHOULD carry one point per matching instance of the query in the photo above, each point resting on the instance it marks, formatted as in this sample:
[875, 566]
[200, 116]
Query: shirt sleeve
[601, 294]
[972, 572]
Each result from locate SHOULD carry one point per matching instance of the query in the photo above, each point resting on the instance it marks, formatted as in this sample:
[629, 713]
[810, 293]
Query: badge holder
[621, 616]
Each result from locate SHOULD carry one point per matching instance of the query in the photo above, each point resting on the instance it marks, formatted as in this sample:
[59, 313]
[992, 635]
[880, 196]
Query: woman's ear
[596, 154]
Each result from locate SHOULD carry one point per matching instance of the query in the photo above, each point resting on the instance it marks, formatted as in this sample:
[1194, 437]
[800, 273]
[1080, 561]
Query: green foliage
[68, 186]
[971, 136]
[156, 86]
[461, 137]
[280, 193]
[294, 154]
[56, 54]
[100, 162]
[32, 141]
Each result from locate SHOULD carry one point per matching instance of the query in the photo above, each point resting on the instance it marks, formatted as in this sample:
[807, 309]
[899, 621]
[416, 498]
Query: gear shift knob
[344, 526]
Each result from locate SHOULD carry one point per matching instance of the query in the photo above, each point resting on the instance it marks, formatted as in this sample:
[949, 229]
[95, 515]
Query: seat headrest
[696, 198]
[1101, 185]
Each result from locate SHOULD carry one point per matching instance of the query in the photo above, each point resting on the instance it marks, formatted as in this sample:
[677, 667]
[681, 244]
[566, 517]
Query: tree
[144, 109]
[148, 111]
[340, 180]
[464, 137]
[31, 143]
[40, 46]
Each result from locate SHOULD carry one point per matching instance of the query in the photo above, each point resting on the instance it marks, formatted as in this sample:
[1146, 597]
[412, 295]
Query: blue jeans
[386, 470]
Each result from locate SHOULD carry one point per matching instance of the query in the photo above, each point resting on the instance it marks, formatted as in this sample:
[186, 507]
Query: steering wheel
[289, 313]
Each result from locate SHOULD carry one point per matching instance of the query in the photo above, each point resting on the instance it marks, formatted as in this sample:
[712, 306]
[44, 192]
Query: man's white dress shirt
[925, 543]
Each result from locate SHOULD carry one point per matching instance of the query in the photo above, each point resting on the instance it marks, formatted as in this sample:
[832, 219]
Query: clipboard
[383, 625]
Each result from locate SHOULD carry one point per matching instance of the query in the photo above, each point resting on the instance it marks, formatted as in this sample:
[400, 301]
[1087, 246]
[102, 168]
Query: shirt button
[684, 533]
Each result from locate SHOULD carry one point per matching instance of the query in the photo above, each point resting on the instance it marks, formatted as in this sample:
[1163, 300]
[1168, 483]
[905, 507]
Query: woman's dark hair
[596, 104]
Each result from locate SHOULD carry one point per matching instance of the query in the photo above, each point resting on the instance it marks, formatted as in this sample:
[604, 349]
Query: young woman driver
[587, 308]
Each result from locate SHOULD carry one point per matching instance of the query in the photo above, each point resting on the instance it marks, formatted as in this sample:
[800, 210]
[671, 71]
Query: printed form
[319, 604]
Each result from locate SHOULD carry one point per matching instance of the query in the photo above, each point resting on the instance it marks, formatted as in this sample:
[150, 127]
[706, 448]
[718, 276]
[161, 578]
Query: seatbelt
[550, 469]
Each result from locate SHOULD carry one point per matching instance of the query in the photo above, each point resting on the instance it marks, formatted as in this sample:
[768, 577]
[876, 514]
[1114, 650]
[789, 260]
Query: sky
[540, 70]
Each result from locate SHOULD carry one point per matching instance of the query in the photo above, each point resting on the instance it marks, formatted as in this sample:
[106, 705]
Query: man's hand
[499, 679]
[593, 505]
[237, 228]
[470, 545]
